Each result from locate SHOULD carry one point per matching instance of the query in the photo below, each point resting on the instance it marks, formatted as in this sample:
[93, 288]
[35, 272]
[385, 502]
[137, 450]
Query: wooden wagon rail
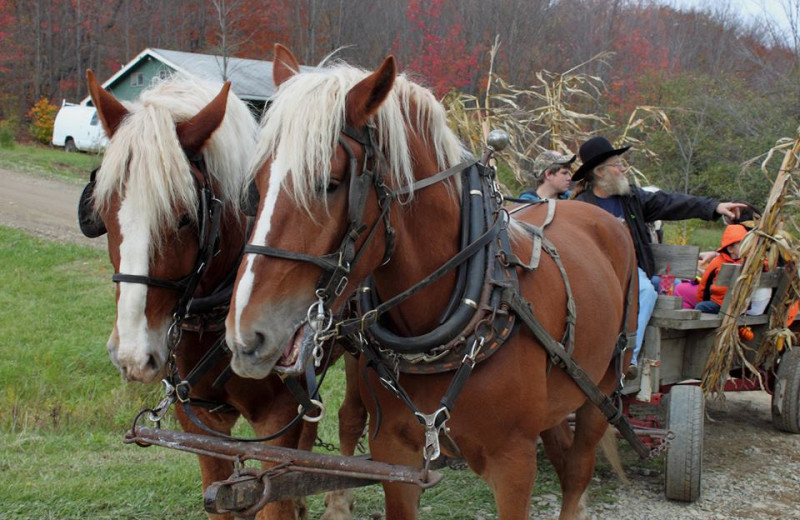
[678, 341]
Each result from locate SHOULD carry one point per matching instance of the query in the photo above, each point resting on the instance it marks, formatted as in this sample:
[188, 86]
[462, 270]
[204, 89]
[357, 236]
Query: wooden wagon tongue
[296, 473]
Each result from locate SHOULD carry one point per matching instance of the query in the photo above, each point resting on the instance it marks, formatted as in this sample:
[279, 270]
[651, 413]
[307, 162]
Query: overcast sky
[774, 10]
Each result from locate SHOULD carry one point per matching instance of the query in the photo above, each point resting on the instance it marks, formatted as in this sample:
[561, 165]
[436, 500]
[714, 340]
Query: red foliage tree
[438, 49]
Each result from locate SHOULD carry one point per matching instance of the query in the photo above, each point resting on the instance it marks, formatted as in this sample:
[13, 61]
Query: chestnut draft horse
[355, 172]
[170, 194]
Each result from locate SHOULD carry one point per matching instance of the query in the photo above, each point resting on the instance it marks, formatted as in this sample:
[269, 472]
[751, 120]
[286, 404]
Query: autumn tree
[437, 52]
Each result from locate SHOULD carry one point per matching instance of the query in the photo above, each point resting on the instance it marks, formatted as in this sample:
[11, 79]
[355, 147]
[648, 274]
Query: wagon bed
[677, 346]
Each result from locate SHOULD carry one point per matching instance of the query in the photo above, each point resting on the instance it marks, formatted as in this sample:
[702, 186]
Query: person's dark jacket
[641, 207]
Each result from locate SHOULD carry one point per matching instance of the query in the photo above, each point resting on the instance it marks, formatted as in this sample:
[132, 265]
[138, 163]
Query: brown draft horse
[309, 142]
[180, 143]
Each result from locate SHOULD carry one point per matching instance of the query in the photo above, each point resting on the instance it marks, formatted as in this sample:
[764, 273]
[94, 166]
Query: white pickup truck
[77, 127]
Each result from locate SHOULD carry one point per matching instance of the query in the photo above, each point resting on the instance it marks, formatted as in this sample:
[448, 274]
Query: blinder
[89, 221]
[251, 204]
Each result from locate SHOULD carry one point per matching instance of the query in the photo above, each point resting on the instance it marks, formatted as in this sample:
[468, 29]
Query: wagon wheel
[684, 460]
[786, 397]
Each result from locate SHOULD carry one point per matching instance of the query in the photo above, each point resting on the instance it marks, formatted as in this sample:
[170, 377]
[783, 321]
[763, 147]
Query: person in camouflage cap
[550, 175]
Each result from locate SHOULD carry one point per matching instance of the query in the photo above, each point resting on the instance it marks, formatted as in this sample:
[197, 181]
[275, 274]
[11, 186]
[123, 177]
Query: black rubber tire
[786, 396]
[683, 466]
[69, 145]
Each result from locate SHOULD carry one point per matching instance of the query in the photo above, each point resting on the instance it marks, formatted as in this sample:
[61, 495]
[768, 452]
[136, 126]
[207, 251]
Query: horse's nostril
[259, 340]
[124, 371]
[151, 362]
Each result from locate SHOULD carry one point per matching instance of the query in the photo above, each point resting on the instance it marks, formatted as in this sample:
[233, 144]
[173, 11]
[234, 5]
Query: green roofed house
[251, 80]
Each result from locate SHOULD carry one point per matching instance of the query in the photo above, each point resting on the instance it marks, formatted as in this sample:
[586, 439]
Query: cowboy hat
[593, 152]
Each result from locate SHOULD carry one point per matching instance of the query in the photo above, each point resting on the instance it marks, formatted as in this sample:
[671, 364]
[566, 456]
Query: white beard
[614, 185]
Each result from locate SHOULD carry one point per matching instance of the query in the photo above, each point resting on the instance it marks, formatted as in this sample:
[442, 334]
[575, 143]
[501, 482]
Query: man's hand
[730, 210]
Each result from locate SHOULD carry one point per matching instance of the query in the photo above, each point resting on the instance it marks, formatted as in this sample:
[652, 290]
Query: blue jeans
[708, 306]
[647, 302]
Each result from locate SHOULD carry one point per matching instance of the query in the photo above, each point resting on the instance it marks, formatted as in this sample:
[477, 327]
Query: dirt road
[43, 206]
[751, 471]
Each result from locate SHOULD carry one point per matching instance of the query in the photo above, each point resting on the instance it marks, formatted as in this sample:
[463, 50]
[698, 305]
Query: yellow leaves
[42, 116]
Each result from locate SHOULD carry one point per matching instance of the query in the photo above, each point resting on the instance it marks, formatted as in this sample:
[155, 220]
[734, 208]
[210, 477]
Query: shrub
[7, 127]
[42, 116]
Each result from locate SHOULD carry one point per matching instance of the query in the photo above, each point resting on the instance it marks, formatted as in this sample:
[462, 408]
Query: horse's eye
[184, 221]
[333, 185]
[330, 188]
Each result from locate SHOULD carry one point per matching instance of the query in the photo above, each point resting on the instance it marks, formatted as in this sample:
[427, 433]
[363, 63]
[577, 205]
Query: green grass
[695, 232]
[39, 159]
[64, 410]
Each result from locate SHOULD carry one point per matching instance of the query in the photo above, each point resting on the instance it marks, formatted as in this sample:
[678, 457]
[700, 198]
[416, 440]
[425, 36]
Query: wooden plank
[729, 272]
[682, 260]
[676, 314]
[704, 321]
[668, 302]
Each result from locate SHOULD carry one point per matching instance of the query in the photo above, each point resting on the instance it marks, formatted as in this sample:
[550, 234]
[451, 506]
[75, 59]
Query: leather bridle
[336, 266]
[209, 210]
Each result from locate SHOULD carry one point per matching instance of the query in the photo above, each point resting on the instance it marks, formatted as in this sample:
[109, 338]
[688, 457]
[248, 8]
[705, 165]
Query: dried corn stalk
[767, 242]
[545, 116]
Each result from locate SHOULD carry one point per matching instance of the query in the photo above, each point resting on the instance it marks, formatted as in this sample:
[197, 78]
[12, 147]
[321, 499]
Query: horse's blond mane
[144, 161]
[303, 124]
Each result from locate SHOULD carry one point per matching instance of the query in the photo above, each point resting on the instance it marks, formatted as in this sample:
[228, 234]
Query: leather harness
[486, 267]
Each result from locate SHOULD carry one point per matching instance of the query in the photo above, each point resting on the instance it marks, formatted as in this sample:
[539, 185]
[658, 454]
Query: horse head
[334, 149]
[168, 195]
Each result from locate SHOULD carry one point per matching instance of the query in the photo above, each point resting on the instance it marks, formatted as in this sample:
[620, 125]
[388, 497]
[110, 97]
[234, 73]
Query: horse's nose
[144, 371]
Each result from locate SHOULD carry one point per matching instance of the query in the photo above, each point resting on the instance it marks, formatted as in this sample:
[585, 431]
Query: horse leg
[511, 474]
[212, 469]
[573, 456]
[302, 436]
[352, 419]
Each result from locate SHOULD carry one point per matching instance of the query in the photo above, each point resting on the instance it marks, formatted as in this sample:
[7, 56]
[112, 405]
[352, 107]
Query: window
[137, 79]
[94, 120]
[163, 74]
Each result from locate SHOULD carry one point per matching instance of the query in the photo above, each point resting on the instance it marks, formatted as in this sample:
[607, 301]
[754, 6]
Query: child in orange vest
[709, 295]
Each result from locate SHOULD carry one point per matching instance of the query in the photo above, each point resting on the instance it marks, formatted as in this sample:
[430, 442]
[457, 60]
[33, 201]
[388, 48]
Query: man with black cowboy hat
[550, 174]
[603, 182]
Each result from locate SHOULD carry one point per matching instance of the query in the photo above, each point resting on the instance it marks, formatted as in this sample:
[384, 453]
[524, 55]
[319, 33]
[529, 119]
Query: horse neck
[428, 235]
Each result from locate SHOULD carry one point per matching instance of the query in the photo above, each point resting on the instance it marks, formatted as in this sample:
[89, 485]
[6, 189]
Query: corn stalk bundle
[764, 245]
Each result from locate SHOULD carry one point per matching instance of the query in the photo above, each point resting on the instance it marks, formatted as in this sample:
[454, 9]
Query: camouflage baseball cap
[550, 158]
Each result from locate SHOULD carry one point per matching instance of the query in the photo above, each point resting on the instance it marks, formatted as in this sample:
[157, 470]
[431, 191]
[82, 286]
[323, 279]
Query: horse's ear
[285, 65]
[194, 133]
[366, 97]
[109, 110]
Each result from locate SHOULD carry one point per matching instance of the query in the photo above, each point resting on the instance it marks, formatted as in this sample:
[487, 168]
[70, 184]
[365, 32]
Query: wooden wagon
[678, 343]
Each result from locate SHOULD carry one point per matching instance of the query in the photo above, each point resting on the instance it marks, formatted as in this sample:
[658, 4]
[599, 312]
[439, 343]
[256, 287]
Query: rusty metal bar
[290, 459]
